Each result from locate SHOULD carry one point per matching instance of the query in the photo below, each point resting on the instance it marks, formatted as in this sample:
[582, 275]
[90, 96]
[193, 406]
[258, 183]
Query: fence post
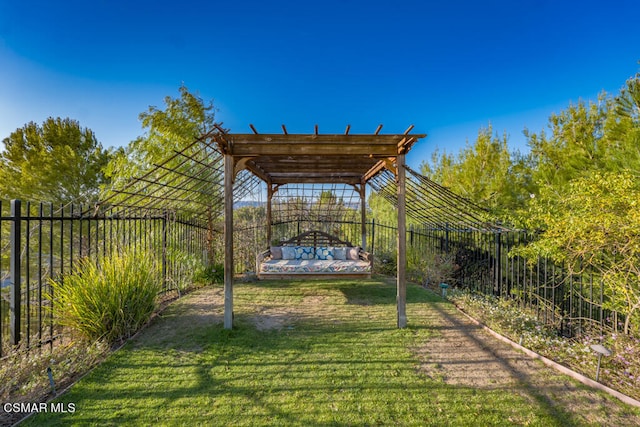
[373, 235]
[446, 238]
[14, 270]
[164, 249]
[498, 264]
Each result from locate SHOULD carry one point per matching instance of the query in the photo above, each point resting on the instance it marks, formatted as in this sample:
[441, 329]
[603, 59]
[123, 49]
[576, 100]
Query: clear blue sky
[448, 67]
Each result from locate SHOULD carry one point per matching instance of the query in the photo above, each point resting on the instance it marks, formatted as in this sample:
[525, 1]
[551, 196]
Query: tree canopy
[58, 161]
[485, 172]
[167, 133]
[183, 120]
[578, 188]
[597, 229]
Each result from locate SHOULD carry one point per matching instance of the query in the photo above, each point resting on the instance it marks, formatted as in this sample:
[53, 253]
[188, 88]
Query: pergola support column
[229, 173]
[270, 192]
[363, 215]
[402, 243]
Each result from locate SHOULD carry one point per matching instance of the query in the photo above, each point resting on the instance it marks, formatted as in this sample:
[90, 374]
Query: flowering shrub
[621, 371]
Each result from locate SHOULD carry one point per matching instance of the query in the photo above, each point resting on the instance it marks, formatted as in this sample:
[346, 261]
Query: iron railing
[483, 260]
[40, 241]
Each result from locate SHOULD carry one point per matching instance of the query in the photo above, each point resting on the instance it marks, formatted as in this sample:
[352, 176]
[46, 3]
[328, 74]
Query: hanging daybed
[314, 254]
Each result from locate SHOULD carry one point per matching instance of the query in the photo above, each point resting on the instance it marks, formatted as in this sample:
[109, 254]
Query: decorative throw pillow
[276, 252]
[324, 253]
[304, 252]
[352, 253]
[288, 252]
[340, 254]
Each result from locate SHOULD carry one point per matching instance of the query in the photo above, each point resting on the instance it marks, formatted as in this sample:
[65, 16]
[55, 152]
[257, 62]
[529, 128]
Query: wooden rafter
[310, 158]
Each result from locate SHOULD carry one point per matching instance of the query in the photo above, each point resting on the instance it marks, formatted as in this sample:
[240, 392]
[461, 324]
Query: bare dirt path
[464, 354]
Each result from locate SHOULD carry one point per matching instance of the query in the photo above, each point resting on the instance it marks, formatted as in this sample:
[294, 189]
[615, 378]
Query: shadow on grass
[374, 292]
[350, 367]
[501, 365]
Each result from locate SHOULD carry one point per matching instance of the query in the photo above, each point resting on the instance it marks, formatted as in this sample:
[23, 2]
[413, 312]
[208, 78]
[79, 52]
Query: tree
[587, 195]
[183, 120]
[327, 208]
[584, 139]
[58, 162]
[577, 145]
[173, 187]
[623, 126]
[486, 173]
[597, 228]
[381, 210]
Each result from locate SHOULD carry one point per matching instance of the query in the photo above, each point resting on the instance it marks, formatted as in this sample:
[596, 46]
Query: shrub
[109, 301]
[429, 268]
[213, 274]
[385, 263]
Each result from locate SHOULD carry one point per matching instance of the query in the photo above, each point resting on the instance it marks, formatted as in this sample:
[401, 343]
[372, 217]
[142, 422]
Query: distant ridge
[248, 203]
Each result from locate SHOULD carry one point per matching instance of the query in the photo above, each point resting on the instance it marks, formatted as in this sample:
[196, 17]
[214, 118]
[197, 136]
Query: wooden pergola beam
[285, 148]
[363, 214]
[290, 138]
[282, 180]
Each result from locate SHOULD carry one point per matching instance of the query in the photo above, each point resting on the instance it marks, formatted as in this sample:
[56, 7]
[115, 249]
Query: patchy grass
[620, 372]
[24, 378]
[301, 353]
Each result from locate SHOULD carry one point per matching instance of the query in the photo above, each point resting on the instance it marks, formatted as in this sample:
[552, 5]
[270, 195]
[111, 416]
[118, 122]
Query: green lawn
[301, 353]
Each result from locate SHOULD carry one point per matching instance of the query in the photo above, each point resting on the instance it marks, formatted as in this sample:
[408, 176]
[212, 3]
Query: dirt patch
[314, 299]
[270, 318]
[464, 354]
[201, 308]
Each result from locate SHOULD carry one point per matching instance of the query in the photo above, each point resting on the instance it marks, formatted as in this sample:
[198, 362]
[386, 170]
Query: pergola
[280, 159]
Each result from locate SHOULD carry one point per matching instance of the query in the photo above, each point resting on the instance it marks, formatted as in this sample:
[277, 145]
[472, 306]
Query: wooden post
[269, 197]
[363, 215]
[402, 244]
[228, 241]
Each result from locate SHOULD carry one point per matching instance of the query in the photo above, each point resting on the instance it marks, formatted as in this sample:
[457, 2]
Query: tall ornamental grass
[109, 301]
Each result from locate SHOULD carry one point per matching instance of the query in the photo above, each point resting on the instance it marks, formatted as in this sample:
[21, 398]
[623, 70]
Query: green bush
[385, 263]
[213, 274]
[429, 268]
[109, 301]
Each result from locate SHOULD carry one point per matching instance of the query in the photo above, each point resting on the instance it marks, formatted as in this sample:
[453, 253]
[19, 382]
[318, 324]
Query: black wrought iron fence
[40, 241]
[483, 260]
